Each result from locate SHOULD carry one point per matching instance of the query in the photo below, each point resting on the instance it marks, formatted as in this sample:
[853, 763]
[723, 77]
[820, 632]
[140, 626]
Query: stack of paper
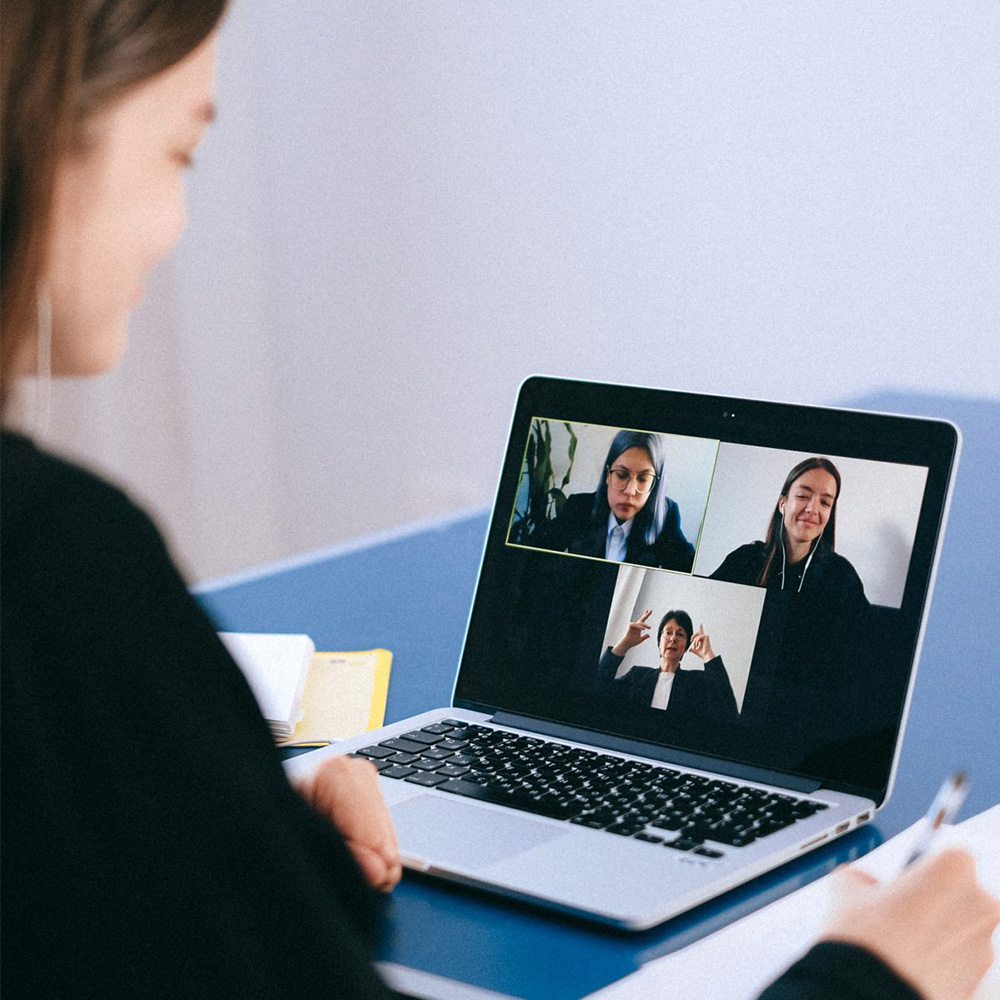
[276, 666]
[309, 697]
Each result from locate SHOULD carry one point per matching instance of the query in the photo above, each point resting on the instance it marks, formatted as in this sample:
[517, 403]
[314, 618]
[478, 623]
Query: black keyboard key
[421, 736]
[706, 852]
[453, 722]
[732, 837]
[439, 728]
[453, 771]
[403, 758]
[626, 829]
[482, 793]
[650, 839]
[436, 753]
[426, 765]
[379, 765]
[461, 733]
[450, 743]
[427, 778]
[397, 771]
[594, 822]
[683, 844]
[376, 753]
[406, 746]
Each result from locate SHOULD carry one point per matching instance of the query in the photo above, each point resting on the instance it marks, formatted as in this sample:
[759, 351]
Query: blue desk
[411, 593]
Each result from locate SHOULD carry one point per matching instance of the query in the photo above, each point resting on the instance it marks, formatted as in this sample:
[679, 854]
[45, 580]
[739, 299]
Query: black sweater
[151, 844]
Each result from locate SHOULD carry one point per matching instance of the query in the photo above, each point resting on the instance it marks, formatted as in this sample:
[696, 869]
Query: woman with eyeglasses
[629, 517]
[688, 697]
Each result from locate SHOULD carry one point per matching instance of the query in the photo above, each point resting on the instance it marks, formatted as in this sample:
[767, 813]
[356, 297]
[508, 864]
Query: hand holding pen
[942, 812]
[933, 923]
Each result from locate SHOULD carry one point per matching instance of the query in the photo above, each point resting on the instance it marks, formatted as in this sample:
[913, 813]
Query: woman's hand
[638, 631]
[701, 645]
[345, 791]
[932, 925]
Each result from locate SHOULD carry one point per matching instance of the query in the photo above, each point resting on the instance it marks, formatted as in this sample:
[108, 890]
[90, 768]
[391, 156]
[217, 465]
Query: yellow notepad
[344, 696]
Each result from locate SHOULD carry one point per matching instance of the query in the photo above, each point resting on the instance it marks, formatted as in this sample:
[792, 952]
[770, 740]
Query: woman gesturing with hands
[698, 642]
[692, 697]
[636, 633]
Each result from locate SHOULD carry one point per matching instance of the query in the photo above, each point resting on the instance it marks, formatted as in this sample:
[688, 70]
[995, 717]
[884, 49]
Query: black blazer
[695, 694]
[575, 530]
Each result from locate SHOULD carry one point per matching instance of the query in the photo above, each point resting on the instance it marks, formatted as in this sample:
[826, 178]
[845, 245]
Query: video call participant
[152, 845]
[798, 553]
[821, 676]
[690, 697]
[629, 517]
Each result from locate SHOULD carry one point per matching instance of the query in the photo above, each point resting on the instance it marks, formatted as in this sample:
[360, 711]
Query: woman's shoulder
[578, 505]
[32, 476]
[57, 514]
[38, 484]
[751, 549]
[840, 570]
[742, 563]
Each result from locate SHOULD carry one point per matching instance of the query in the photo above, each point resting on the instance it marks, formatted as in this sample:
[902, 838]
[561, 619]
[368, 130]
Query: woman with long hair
[798, 553]
[152, 845]
[629, 517]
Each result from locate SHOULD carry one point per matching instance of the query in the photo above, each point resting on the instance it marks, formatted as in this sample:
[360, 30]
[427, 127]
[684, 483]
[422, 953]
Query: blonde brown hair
[60, 63]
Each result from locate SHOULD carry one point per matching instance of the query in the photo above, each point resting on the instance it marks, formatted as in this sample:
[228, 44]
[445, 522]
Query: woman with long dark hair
[629, 517]
[152, 845]
[798, 553]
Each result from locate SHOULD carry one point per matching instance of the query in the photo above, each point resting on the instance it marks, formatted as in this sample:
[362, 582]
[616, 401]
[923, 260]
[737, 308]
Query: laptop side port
[815, 840]
[842, 828]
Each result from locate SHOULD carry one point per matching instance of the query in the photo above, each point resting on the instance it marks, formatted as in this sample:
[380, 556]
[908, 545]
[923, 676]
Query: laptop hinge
[703, 762]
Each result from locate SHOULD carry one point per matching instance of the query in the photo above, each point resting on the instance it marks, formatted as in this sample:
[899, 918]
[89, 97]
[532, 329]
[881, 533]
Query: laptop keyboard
[658, 805]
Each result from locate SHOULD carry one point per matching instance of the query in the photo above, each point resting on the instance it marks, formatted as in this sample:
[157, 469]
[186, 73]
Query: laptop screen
[736, 579]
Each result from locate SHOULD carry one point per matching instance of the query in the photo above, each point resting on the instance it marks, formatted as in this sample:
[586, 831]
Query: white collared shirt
[617, 538]
[661, 693]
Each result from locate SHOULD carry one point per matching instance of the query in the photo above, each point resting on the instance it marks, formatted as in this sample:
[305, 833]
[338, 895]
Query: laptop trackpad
[449, 833]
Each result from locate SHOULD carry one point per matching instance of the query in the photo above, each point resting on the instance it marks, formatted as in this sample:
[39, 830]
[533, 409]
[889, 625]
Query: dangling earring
[43, 361]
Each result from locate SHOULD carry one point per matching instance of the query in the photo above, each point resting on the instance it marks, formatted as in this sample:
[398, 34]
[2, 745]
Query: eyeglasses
[620, 478]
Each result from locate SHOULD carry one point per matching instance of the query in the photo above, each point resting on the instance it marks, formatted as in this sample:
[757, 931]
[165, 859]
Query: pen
[943, 809]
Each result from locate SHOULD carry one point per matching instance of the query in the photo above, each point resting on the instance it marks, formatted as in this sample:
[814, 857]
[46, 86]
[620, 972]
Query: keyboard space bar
[501, 798]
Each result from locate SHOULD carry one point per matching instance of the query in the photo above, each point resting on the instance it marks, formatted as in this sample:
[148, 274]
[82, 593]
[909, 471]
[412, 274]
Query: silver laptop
[690, 654]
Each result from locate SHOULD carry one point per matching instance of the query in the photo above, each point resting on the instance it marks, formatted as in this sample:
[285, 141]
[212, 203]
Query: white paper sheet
[276, 667]
[738, 961]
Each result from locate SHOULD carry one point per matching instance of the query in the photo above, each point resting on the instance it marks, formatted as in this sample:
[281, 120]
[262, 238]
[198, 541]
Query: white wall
[406, 208]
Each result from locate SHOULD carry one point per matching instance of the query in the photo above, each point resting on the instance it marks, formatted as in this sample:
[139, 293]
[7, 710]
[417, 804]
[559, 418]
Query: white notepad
[738, 961]
[276, 667]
